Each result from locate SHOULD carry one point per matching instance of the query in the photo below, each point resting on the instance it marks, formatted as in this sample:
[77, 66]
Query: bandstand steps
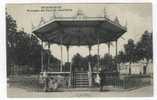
[80, 79]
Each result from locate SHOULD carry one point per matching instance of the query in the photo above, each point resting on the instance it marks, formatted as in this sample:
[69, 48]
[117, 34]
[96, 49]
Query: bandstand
[78, 31]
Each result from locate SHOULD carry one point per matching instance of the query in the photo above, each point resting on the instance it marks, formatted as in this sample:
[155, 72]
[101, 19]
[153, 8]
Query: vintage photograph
[79, 50]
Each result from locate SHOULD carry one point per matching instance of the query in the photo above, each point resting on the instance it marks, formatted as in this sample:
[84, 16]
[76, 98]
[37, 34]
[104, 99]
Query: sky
[138, 18]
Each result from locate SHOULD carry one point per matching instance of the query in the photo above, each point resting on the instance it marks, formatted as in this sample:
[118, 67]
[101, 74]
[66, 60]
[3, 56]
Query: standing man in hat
[102, 78]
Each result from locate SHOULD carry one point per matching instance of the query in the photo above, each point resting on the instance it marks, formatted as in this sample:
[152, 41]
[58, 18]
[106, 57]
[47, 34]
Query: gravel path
[21, 92]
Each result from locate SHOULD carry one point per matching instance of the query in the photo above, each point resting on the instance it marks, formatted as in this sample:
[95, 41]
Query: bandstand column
[89, 47]
[116, 47]
[118, 69]
[98, 56]
[42, 64]
[67, 47]
[108, 44]
[61, 64]
[89, 67]
[69, 82]
[49, 53]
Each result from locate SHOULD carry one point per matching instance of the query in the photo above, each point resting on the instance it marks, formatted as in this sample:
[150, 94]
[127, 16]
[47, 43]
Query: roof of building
[79, 31]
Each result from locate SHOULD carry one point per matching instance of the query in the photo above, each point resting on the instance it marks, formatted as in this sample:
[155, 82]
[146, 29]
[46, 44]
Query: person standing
[102, 79]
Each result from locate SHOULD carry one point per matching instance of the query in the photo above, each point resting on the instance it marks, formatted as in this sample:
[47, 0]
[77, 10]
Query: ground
[28, 88]
[141, 92]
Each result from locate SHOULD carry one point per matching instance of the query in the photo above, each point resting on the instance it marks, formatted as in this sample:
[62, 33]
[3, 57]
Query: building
[79, 31]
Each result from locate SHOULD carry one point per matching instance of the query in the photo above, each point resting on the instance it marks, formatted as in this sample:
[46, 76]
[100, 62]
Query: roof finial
[54, 13]
[42, 21]
[126, 23]
[105, 13]
[79, 12]
[32, 26]
[116, 20]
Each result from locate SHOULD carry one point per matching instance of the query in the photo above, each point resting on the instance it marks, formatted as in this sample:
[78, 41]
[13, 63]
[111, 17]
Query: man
[102, 79]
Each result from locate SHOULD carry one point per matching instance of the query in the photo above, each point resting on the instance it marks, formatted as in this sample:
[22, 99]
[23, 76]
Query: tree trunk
[145, 67]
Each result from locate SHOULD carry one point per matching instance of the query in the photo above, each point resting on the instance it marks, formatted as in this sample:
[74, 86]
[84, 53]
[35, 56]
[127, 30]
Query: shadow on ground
[27, 82]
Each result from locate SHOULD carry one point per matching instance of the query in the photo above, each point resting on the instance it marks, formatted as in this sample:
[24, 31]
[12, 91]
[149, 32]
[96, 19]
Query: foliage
[79, 62]
[144, 47]
[121, 57]
[23, 48]
[107, 62]
[130, 48]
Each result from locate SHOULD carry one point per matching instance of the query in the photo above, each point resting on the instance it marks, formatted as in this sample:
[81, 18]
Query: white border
[78, 1]
[3, 91]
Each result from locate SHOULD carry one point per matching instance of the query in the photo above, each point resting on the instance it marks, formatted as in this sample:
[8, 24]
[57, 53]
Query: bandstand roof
[79, 31]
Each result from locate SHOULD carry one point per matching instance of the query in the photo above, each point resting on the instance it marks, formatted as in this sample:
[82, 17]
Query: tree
[121, 57]
[107, 62]
[23, 48]
[144, 48]
[11, 28]
[94, 61]
[79, 62]
[130, 52]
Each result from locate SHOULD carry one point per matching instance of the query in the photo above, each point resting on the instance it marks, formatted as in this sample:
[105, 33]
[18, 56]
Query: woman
[102, 79]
